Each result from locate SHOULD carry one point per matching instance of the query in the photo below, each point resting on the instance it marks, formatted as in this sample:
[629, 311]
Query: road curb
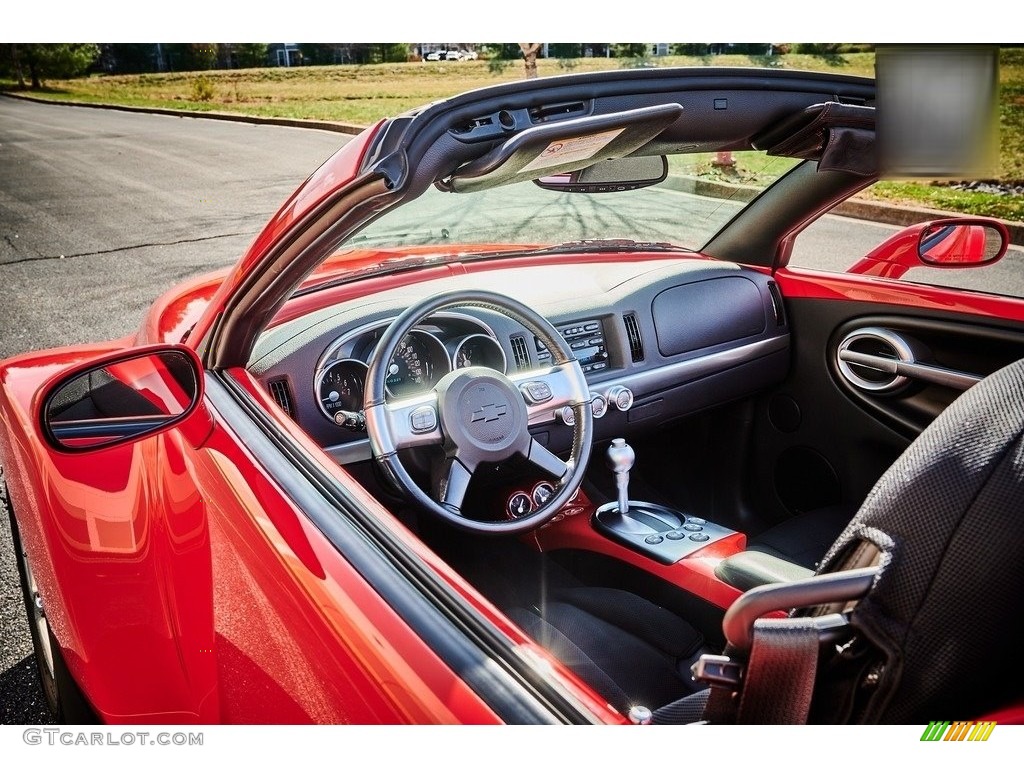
[288, 122]
[885, 213]
[870, 210]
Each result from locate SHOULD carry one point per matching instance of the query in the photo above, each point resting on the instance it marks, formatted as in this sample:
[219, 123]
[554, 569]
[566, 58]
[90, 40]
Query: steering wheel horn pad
[483, 416]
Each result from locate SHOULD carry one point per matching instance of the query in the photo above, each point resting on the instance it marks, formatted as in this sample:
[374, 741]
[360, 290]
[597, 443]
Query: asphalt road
[102, 211]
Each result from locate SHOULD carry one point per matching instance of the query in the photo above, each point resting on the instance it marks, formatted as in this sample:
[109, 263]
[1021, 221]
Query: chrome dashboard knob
[568, 415]
[621, 397]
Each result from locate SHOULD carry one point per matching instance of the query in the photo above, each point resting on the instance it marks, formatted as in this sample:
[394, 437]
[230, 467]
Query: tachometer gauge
[479, 349]
[419, 362]
[340, 387]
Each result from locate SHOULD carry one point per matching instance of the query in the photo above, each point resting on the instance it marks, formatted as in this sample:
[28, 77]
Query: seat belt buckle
[718, 671]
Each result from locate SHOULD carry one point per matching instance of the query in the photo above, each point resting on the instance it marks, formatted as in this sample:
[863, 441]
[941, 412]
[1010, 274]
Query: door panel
[823, 437]
[905, 370]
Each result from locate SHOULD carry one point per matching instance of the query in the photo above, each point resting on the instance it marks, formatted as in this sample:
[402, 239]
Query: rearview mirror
[962, 243]
[122, 399]
[616, 175]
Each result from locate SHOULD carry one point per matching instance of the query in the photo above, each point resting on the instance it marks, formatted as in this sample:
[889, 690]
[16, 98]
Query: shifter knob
[620, 459]
[620, 455]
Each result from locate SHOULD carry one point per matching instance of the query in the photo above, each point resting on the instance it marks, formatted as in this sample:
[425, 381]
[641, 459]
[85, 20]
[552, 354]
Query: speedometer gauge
[341, 387]
[419, 363]
[479, 349]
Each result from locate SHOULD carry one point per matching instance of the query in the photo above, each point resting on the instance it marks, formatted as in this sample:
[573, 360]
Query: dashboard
[657, 338]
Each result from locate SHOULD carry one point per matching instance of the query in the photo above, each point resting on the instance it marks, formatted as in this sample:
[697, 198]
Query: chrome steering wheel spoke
[406, 423]
[547, 391]
[546, 461]
[454, 484]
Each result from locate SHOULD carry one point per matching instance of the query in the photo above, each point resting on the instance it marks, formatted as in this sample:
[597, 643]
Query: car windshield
[699, 196]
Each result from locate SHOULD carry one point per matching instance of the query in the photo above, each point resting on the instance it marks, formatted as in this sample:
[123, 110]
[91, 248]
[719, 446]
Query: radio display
[586, 340]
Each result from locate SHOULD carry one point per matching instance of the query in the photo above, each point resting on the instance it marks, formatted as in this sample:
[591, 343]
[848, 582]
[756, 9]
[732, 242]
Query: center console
[677, 546]
[656, 531]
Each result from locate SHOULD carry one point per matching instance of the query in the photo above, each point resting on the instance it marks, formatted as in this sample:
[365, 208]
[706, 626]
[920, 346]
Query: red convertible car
[500, 421]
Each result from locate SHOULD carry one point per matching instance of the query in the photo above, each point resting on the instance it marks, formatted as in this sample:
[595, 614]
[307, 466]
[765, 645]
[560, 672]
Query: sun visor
[563, 146]
[840, 136]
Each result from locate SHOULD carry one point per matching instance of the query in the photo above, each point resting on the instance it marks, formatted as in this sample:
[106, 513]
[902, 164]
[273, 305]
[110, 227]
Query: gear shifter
[657, 531]
[620, 459]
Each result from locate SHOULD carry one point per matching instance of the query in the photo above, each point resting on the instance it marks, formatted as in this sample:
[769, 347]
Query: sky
[875, 21]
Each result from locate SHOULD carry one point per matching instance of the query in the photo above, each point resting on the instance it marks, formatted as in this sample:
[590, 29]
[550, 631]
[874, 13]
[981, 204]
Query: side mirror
[948, 243]
[124, 397]
[616, 175]
[962, 243]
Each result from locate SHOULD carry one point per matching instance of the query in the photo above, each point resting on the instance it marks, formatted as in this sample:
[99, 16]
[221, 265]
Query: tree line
[31, 64]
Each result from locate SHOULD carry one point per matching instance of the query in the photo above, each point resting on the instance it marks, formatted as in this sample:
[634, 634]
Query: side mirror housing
[122, 398]
[962, 243]
[950, 243]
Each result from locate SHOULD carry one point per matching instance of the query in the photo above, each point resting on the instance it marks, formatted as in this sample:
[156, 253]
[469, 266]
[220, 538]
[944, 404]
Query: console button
[699, 537]
[697, 520]
[692, 527]
[675, 535]
[654, 539]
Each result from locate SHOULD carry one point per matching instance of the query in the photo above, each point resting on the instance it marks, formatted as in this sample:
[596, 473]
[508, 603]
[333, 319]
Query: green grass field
[362, 94]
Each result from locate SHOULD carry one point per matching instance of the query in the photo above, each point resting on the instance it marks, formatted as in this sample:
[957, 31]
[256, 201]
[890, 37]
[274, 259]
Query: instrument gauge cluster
[422, 359]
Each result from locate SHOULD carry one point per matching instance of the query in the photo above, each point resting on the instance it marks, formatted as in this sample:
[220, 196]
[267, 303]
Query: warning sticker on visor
[571, 150]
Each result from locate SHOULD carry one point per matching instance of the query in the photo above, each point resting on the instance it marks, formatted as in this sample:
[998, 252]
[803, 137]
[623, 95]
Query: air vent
[520, 352]
[282, 395]
[777, 305]
[867, 359]
[636, 343]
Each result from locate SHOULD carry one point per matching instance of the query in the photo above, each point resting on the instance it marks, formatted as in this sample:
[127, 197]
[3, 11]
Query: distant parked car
[453, 54]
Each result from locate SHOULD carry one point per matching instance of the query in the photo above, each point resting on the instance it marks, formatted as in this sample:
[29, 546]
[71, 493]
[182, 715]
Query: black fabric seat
[804, 539]
[628, 649]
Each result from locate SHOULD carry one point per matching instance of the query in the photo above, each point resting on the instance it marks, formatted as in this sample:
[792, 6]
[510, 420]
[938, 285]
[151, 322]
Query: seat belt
[774, 687]
[779, 679]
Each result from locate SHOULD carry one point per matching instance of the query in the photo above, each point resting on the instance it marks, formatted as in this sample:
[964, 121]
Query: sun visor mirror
[563, 147]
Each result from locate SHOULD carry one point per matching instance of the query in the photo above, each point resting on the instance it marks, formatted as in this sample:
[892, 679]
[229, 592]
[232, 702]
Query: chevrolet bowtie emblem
[489, 412]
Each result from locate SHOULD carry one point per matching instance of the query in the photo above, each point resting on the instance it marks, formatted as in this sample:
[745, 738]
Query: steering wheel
[479, 415]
